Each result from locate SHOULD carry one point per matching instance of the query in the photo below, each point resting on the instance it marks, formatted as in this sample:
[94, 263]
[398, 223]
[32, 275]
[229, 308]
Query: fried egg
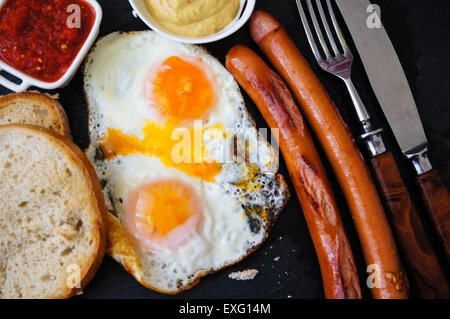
[186, 174]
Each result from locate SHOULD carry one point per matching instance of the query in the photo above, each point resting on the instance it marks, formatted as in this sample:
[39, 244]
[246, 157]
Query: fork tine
[337, 29]
[318, 29]
[309, 35]
[327, 28]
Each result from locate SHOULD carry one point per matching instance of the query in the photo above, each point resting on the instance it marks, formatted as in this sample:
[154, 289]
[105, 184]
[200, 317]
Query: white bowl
[28, 81]
[245, 11]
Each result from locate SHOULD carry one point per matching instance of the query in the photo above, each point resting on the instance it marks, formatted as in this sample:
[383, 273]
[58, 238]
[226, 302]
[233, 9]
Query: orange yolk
[180, 152]
[163, 214]
[182, 90]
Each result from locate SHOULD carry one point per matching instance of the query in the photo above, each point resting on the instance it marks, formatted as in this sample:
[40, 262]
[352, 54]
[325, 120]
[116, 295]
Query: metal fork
[339, 63]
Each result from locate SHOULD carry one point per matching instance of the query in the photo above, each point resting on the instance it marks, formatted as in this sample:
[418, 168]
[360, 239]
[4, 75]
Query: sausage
[387, 277]
[273, 99]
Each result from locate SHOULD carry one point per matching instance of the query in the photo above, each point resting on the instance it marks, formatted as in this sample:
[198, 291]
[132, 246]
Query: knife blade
[386, 75]
[394, 95]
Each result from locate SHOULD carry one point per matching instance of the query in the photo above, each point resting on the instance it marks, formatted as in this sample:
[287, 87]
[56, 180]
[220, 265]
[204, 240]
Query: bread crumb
[276, 258]
[247, 274]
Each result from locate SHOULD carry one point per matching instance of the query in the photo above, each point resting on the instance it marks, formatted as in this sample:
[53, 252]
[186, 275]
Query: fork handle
[413, 242]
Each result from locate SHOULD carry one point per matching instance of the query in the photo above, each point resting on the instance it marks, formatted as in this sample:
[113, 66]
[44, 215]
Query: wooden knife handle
[437, 201]
[413, 242]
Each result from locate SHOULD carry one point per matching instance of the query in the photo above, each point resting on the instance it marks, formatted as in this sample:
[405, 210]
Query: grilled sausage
[271, 95]
[387, 278]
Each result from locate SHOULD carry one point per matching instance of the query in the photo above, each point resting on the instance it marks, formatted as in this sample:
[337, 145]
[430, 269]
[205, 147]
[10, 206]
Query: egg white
[223, 237]
[118, 80]
[115, 75]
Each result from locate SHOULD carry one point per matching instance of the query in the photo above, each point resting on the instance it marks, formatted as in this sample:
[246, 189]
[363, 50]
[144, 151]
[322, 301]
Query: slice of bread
[34, 108]
[52, 215]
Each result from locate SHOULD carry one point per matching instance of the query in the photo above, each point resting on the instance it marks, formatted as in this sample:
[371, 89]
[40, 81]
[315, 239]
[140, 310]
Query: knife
[392, 90]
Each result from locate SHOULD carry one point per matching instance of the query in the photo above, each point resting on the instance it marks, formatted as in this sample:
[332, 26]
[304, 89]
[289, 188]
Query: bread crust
[48, 102]
[77, 157]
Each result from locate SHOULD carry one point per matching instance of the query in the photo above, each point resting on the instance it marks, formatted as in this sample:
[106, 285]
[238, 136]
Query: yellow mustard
[193, 18]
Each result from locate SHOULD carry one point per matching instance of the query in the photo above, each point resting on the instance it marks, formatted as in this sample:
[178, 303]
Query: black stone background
[420, 32]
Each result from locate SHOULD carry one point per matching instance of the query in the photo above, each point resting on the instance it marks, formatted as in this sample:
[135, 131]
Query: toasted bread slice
[34, 108]
[52, 215]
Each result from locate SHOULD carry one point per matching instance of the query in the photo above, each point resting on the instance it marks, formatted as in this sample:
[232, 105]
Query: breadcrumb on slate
[247, 274]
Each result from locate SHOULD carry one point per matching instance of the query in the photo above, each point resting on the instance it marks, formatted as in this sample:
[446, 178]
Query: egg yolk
[163, 214]
[182, 89]
[180, 152]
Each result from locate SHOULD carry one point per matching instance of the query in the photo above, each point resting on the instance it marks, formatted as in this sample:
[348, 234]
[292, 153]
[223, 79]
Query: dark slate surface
[420, 31]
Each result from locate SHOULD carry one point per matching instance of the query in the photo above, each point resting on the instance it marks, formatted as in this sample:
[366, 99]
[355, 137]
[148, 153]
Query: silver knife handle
[420, 161]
